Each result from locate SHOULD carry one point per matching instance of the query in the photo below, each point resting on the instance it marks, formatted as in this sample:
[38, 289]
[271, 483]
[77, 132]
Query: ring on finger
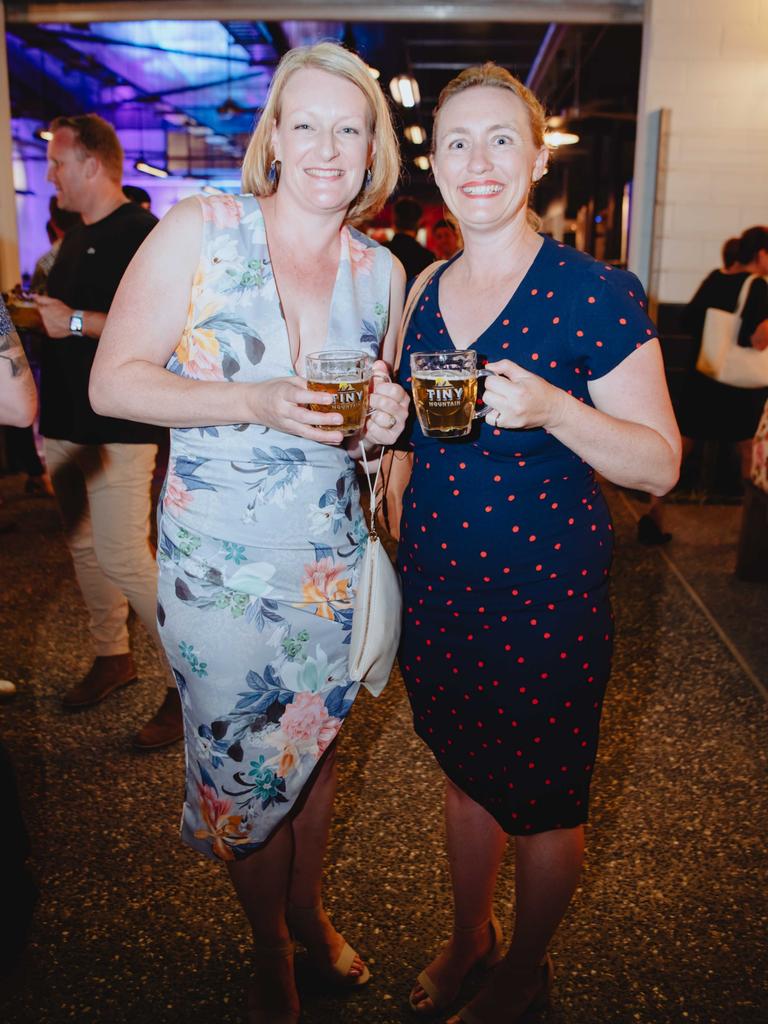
[392, 420]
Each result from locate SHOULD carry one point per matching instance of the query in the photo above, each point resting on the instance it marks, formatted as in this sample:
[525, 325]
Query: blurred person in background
[18, 400]
[138, 195]
[708, 410]
[730, 256]
[445, 239]
[59, 223]
[413, 255]
[100, 467]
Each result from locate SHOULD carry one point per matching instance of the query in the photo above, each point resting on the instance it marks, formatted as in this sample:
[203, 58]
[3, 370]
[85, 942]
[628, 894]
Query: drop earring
[368, 178]
[274, 172]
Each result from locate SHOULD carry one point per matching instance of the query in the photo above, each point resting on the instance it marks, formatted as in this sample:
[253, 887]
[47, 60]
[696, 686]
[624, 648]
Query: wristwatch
[76, 323]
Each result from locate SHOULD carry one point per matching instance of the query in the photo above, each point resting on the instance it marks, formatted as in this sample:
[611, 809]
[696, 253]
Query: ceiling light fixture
[557, 139]
[176, 117]
[229, 108]
[422, 162]
[145, 168]
[405, 90]
[44, 134]
[375, 73]
[416, 134]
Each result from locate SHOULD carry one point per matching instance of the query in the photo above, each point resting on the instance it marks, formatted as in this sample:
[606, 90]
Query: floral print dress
[260, 540]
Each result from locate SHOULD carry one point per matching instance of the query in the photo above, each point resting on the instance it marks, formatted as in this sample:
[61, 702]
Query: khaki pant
[103, 492]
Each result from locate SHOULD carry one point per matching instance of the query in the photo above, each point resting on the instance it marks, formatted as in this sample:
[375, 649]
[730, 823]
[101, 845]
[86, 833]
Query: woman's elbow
[667, 475]
[98, 394]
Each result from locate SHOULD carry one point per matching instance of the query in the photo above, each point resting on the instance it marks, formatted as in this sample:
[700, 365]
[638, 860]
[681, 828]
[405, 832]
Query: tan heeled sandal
[329, 975]
[533, 996]
[261, 997]
[443, 997]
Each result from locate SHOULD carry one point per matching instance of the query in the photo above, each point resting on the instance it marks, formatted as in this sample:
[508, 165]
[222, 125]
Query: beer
[445, 401]
[350, 398]
[24, 314]
[346, 375]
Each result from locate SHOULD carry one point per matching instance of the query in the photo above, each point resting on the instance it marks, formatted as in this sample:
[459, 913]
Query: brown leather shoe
[107, 673]
[165, 727]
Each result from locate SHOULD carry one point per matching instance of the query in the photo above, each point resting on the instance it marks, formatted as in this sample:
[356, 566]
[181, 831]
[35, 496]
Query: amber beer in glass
[346, 375]
[444, 386]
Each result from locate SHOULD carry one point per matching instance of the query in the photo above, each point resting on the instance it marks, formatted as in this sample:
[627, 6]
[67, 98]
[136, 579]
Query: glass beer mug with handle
[444, 388]
[346, 375]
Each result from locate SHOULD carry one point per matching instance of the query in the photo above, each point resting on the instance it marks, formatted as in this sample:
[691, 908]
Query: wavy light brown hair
[493, 76]
[385, 165]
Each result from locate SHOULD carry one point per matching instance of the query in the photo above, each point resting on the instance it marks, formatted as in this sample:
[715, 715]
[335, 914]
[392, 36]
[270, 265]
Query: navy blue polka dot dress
[505, 551]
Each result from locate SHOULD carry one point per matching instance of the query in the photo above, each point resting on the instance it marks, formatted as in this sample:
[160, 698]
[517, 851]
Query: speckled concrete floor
[669, 924]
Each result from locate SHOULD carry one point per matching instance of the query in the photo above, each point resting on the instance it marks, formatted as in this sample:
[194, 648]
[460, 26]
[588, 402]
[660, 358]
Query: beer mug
[346, 375]
[444, 388]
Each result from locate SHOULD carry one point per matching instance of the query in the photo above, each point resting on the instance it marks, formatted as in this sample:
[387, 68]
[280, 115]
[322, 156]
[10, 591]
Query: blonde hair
[330, 57]
[493, 76]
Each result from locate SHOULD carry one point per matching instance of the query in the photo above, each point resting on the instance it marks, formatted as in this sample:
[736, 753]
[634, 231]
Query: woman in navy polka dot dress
[506, 539]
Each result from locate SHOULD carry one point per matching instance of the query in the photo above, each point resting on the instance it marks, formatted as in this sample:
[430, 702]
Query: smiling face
[485, 159]
[69, 170]
[322, 140]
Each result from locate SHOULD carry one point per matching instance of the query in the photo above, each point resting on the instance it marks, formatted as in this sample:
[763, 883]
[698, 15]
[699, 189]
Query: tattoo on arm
[12, 353]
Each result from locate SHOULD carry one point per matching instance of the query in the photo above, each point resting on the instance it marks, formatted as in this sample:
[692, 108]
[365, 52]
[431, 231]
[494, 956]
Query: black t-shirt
[411, 254]
[721, 291]
[88, 269]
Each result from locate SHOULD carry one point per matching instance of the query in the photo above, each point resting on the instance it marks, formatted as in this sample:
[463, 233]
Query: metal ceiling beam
[550, 44]
[564, 11]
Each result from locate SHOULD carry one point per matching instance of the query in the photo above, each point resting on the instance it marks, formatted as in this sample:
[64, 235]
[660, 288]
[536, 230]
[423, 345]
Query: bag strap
[413, 297]
[372, 487]
[743, 294]
[417, 290]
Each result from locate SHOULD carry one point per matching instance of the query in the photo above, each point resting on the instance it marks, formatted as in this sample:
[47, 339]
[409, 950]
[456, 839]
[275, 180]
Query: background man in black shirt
[101, 468]
[411, 254]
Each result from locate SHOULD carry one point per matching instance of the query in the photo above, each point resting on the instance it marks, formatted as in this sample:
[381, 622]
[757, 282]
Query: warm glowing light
[415, 133]
[44, 134]
[405, 90]
[556, 139]
[422, 162]
[375, 73]
[145, 168]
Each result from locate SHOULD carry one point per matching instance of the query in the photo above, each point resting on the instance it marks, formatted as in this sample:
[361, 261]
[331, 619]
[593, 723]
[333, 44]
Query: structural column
[9, 234]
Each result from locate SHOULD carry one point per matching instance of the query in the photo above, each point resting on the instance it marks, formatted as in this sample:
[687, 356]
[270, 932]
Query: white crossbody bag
[721, 357]
[378, 608]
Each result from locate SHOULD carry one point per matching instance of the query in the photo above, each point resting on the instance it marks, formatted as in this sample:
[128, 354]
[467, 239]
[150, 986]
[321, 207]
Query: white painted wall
[707, 62]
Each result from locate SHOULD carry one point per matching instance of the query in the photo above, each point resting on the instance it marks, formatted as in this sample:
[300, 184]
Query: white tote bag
[721, 357]
[376, 621]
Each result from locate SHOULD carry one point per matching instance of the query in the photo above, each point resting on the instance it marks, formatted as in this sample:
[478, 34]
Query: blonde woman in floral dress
[261, 532]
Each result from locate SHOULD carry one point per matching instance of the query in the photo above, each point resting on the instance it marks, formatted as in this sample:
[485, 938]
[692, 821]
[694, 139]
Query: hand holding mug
[388, 410]
[287, 404]
[520, 399]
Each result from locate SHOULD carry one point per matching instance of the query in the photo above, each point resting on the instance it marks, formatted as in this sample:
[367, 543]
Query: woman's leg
[475, 844]
[310, 836]
[547, 870]
[261, 883]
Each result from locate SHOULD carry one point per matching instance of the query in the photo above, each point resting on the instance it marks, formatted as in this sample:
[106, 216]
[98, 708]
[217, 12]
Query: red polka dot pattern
[505, 553]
